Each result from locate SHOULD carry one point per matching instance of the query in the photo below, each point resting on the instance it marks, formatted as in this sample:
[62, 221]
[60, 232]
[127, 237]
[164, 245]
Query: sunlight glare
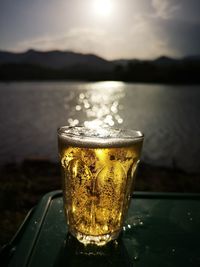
[103, 7]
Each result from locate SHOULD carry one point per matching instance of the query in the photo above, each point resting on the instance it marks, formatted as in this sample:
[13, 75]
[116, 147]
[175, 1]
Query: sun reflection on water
[99, 104]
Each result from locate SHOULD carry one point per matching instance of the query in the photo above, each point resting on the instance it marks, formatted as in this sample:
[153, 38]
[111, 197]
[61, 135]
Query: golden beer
[98, 170]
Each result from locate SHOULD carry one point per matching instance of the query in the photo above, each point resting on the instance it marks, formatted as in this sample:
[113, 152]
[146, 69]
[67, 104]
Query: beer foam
[98, 137]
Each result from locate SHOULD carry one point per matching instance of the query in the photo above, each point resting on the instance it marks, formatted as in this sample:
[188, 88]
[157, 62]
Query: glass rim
[102, 136]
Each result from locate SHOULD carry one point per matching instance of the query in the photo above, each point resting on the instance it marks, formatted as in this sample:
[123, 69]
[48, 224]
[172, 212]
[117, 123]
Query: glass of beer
[98, 174]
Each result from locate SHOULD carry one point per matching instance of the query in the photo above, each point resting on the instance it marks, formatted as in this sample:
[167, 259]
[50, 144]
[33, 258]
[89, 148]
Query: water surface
[169, 116]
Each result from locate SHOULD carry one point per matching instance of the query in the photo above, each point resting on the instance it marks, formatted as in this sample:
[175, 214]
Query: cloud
[178, 23]
[166, 9]
[148, 39]
[83, 40]
[184, 36]
[77, 39]
[183, 10]
[171, 27]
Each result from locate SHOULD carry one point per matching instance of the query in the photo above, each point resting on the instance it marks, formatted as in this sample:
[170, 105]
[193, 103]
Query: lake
[169, 116]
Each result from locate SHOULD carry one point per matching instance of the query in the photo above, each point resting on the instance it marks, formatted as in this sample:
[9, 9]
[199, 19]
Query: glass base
[99, 240]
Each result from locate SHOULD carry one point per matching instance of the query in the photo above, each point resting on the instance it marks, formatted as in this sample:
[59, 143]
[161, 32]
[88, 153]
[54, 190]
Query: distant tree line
[180, 72]
[149, 72]
[29, 72]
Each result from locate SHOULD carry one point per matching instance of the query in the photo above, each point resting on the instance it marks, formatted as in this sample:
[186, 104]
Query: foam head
[81, 136]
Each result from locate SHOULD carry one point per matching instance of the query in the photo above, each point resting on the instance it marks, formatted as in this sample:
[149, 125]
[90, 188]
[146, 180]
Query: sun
[103, 7]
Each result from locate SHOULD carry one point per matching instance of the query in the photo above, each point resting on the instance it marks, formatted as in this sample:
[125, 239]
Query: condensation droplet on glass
[124, 228]
[70, 121]
[191, 219]
[73, 122]
[111, 123]
[129, 226]
[78, 107]
[113, 109]
[35, 222]
[76, 122]
[120, 121]
[109, 120]
[136, 257]
[86, 104]
[116, 243]
[81, 96]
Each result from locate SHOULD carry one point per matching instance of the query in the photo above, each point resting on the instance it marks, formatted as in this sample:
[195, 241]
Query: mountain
[160, 61]
[164, 61]
[67, 65]
[56, 59]
[124, 62]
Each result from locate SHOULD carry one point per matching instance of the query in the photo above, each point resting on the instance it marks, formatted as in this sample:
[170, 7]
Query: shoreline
[23, 184]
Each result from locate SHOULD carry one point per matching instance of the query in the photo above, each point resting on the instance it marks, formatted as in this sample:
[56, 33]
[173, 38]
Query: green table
[160, 230]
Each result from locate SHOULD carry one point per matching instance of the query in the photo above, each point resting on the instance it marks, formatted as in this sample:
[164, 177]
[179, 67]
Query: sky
[112, 29]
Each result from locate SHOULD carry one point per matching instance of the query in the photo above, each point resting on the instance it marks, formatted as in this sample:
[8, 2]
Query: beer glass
[98, 174]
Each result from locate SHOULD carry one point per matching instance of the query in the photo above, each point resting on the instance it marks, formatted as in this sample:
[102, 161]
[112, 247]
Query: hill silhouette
[54, 59]
[67, 65]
